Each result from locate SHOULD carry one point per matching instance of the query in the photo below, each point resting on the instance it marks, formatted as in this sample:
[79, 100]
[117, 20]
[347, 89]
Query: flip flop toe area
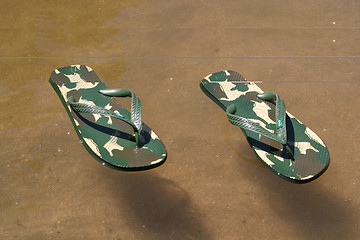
[311, 157]
[110, 140]
[310, 153]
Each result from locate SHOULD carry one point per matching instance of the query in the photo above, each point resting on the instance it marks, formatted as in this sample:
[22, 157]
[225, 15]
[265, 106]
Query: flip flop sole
[310, 153]
[108, 139]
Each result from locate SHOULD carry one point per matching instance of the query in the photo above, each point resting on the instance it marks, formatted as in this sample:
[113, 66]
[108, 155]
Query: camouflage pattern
[311, 157]
[109, 139]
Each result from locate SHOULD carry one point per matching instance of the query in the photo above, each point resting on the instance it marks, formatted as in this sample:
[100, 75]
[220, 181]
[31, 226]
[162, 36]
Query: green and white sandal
[112, 135]
[281, 141]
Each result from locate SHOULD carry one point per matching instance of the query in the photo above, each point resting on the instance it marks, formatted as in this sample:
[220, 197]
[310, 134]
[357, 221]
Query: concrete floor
[212, 185]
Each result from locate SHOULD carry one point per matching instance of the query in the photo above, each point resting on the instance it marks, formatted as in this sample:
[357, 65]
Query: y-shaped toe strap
[279, 134]
[136, 109]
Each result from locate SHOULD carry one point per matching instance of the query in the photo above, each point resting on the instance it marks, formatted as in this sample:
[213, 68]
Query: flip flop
[280, 141]
[112, 135]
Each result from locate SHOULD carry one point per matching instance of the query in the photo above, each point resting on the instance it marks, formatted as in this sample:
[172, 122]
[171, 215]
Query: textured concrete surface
[212, 185]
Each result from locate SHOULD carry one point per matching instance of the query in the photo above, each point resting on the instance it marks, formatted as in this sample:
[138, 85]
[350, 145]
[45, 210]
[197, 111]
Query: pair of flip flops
[119, 139]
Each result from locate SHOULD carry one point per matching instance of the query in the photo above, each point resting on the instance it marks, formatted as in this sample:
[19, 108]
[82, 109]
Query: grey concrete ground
[212, 185]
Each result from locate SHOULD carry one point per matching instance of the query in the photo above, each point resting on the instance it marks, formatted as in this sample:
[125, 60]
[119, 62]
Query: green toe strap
[136, 109]
[279, 134]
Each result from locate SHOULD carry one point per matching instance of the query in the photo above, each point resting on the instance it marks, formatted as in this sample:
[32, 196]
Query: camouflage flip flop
[281, 142]
[112, 135]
